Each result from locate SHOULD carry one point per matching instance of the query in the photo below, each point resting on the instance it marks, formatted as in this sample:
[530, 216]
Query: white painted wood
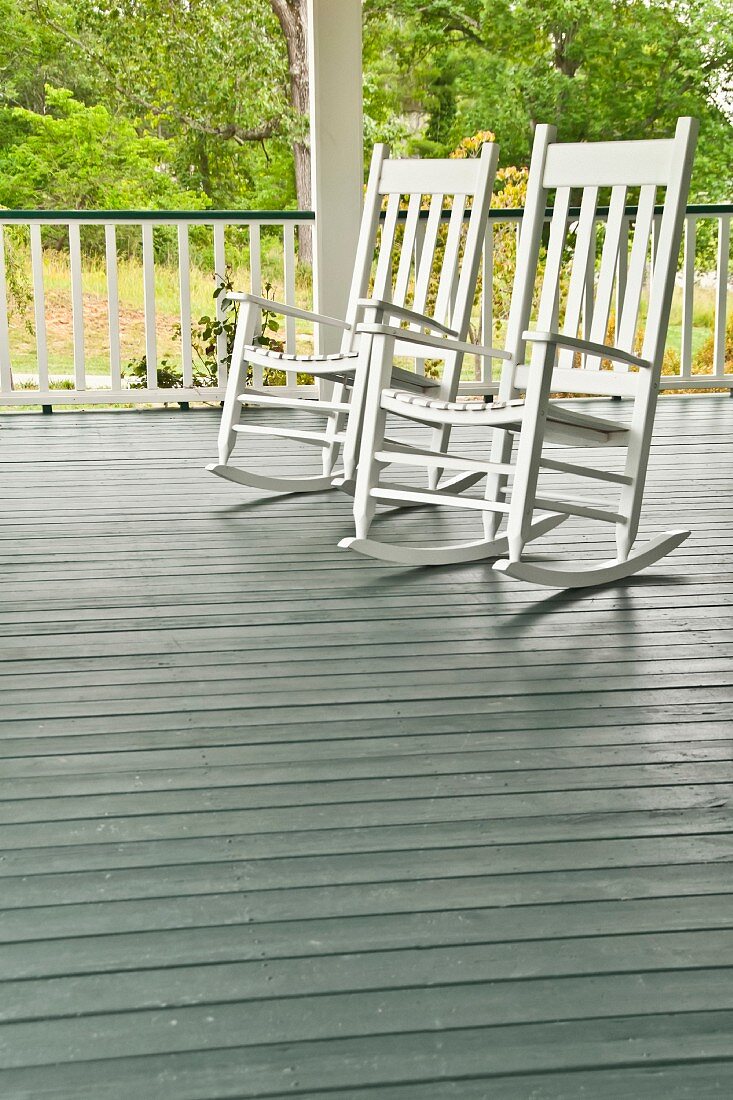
[220, 270]
[609, 164]
[584, 471]
[77, 305]
[399, 493]
[275, 484]
[407, 253]
[39, 306]
[688, 294]
[151, 342]
[436, 176]
[412, 555]
[6, 372]
[607, 274]
[622, 272]
[255, 283]
[427, 255]
[255, 259]
[577, 289]
[113, 306]
[587, 576]
[454, 268]
[637, 267]
[721, 295]
[314, 439]
[289, 281]
[487, 299]
[336, 129]
[184, 298]
[535, 420]
[444, 299]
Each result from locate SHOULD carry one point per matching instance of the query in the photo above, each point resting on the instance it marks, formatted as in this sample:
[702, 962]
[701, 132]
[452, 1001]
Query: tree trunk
[293, 18]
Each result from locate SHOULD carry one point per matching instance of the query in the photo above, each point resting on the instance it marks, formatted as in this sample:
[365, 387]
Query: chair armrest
[445, 344]
[603, 351]
[381, 307]
[286, 310]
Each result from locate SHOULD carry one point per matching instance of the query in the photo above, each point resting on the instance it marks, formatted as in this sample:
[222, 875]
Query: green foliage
[81, 157]
[598, 69]
[211, 77]
[702, 362]
[205, 334]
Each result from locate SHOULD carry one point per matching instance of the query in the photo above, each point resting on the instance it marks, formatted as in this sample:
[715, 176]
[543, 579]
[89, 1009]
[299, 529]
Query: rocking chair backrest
[411, 256]
[651, 173]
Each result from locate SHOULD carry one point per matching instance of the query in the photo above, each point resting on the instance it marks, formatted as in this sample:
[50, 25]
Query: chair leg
[501, 451]
[440, 440]
[352, 441]
[372, 433]
[237, 380]
[334, 425]
[529, 450]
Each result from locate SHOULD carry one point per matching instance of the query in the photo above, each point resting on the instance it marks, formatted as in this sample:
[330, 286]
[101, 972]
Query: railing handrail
[208, 217]
[205, 217]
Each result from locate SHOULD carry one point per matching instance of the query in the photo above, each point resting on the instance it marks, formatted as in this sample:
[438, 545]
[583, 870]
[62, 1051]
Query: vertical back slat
[289, 286]
[584, 241]
[113, 306]
[39, 306]
[721, 294]
[151, 350]
[407, 250]
[622, 274]
[607, 273]
[553, 262]
[637, 267]
[446, 285]
[427, 254]
[220, 269]
[184, 297]
[383, 274]
[487, 299]
[6, 373]
[77, 305]
[418, 250]
[688, 290]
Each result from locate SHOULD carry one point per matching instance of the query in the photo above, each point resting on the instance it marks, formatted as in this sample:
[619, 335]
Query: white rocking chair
[404, 269]
[562, 361]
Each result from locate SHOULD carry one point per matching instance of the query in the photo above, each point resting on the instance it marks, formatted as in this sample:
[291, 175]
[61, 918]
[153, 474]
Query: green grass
[132, 321]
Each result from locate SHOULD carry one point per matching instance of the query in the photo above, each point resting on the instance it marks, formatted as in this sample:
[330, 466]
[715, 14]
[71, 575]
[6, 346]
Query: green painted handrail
[136, 216]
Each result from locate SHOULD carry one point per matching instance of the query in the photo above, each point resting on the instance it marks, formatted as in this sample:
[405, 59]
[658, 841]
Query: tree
[82, 157]
[293, 18]
[597, 68]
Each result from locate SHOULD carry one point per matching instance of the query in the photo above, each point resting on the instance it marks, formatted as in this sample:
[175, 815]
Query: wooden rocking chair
[404, 267]
[562, 360]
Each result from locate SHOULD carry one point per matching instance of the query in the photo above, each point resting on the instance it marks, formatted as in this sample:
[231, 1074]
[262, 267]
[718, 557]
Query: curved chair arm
[587, 347]
[445, 344]
[285, 309]
[380, 306]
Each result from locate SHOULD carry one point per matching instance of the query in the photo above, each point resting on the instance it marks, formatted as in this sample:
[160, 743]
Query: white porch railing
[84, 387]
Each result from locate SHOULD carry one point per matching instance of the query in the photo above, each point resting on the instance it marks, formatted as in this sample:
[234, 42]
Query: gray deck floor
[281, 821]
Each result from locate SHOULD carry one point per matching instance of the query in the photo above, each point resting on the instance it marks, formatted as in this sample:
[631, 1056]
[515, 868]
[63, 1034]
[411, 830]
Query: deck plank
[276, 820]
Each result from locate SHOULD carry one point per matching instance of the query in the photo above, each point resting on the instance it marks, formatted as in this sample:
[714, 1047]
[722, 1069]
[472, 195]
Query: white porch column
[337, 157]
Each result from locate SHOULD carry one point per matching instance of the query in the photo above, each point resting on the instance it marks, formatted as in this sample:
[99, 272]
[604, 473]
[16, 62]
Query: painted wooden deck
[277, 820]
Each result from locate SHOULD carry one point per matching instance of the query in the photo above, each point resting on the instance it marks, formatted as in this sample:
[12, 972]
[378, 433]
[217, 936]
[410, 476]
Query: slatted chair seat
[579, 284]
[341, 366]
[417, 262]
[587, 428]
